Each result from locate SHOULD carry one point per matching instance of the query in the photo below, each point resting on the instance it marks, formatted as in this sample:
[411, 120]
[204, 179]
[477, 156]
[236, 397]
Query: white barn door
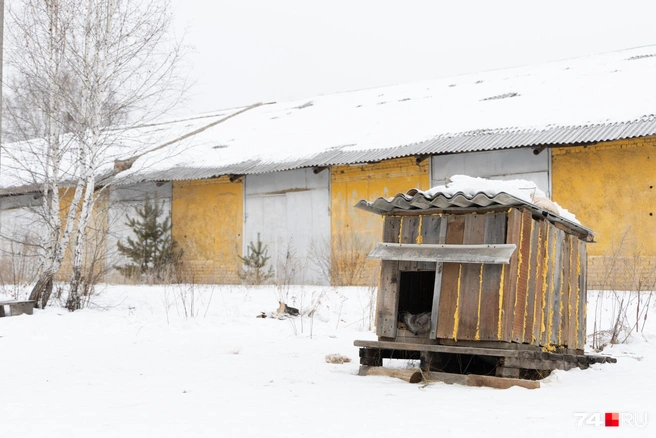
[504, 165]
[291, 212]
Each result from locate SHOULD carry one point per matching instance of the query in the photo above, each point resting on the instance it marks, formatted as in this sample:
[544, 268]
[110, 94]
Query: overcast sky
[249, 51]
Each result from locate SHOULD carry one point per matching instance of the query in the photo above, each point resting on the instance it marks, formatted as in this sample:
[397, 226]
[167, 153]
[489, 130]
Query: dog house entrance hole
[416, 301]
[416, 291]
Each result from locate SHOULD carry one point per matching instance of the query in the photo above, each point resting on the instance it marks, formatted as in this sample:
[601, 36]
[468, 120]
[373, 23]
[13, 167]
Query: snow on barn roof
[589, 99]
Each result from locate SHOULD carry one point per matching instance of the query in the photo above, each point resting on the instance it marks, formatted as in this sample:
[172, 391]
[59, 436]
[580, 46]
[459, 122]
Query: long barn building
[582, 130]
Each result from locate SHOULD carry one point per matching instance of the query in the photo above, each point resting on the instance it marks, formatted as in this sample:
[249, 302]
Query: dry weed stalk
[18, 266]
[628, 283]
[188, 298]
[342, 260]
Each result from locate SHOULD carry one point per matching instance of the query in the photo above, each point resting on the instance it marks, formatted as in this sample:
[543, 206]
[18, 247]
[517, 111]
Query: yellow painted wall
[207, 219]
[354, 230]
[96, 244]
[611, 187]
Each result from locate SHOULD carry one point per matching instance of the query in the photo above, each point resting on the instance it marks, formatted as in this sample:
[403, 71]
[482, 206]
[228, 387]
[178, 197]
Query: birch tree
[91, 62]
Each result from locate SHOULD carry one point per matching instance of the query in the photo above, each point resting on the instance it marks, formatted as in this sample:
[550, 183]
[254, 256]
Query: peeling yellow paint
[519, 269]
[96, 242]
[560, 309]
[206, 218]
[519, 260]
[480, 295]
[528, 279]
[420, 238]
[578, 298]
[569, 289]
[582, 174]
[535, 301]
[503, 275]
[553, 274]
[545, 284]
[456, 315]
[400, 236]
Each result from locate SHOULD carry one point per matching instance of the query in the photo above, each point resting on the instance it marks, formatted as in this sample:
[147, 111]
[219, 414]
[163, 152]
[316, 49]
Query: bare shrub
[342, 260]
[289, 268]
[19, 260]
[627, 290]
[188, 299]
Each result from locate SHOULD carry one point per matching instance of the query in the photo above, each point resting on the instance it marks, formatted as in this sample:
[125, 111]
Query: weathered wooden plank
[557, 288]
[507, 372]
[509, 273]
[495, 233]
[409, 233]
[448, 378]
[521, 277]
[412, 375]
[407, 346]
[388, 299]
[17, 307]
[491, 344]
[429, 233]
[439, 267]
[563, 333]
[574, 291]
[583, 295]
[548, 293]
[471, 282]
[435, 309]
[450, 280]
[540, 282]
[538, 364]
[371, 357]
[443, 253]
[552, 232]
[480, 381]
[529, 311]
[431, 229]
[391, 229]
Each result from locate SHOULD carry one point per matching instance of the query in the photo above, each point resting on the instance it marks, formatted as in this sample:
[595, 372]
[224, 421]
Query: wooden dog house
[495, 278]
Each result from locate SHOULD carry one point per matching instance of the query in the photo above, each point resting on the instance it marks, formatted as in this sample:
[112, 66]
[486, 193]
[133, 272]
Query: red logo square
[612, 419]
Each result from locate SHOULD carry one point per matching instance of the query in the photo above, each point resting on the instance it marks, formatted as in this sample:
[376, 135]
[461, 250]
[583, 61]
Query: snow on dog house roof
[464, 192]
[589, 99]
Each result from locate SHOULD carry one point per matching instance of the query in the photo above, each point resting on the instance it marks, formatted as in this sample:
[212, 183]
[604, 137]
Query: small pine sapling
[153, 252]
[254, 271]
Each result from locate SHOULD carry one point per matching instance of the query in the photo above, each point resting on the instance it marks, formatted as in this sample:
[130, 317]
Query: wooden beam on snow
[478, 380]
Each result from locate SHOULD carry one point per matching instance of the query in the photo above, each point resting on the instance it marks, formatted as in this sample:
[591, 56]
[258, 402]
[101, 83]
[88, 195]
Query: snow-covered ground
[132, 364]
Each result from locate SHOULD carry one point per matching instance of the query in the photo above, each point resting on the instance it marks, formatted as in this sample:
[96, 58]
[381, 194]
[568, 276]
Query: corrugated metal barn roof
[580, 101]
[466, 142]
[418, 201]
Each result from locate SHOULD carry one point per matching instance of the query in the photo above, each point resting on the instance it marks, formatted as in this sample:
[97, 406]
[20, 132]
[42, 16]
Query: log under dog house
[482, 272]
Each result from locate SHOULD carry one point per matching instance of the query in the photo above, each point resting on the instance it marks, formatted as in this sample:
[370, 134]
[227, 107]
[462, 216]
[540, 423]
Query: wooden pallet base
[480, 363]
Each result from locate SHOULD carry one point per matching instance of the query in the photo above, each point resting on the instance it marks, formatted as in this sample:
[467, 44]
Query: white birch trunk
[89, 60]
